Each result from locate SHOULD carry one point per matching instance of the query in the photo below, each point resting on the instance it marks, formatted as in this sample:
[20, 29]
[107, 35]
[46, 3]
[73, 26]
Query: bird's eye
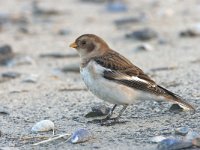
[83, 42]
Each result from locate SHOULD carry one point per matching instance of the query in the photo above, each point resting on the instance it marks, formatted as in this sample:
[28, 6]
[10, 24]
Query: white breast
[105, 89]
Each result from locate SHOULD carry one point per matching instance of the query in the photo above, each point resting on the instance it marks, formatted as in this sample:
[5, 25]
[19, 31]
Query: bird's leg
[110, 113]
[116, 120]
[107, 117]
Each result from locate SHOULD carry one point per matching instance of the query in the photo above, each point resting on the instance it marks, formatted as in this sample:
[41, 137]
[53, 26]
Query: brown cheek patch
[90, 47]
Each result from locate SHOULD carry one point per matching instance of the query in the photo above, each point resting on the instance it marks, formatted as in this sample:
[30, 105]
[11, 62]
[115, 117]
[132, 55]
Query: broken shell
[182, 130]
[80, 136]
[157, 139]
[173, 144]
[44, 125]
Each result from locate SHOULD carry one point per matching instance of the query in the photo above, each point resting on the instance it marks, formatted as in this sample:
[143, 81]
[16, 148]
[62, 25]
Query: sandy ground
[28, 103]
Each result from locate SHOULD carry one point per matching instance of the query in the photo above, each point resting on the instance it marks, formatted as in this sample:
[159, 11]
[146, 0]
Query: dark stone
[6, 54]
[12, 75]
[176, 108]
[98, 111]
[143, 34]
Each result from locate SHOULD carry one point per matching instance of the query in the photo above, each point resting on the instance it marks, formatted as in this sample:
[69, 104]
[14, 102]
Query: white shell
[44, 125]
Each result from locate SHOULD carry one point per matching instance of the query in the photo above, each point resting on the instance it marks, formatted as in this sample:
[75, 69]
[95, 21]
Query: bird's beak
[73, 45]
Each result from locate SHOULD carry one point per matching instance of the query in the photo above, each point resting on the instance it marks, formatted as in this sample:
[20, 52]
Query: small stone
[173, 144]
[130, 20]
[58, 55]
[191, 32]
[6, 54]
[191, 135]
[73, 67]
[80, 136]
[32, 78]
[117, 6]
[143, 34]
[63, 32]
[145, 47]
[196, 142]
[98, 111]
[4, 111]
[157, 139]
[176, 108]
[11, 75]
[23, 29]
[182, 130]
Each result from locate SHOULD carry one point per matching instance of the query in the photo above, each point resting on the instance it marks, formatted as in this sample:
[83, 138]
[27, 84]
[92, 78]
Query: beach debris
[182, 130]
[98, 111]
[157, 139]
[173, 144]
[143, 34]
[80, 136]
[145, 47]
[116, 6]
[6, 54]
[42, 126]
[58, 55]
[56, 137]
[31, 78]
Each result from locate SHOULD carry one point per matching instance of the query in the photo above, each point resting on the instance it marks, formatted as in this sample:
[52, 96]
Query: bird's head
[90, 45]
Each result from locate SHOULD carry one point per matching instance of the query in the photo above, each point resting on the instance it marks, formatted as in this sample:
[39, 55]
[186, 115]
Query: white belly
[105, 89]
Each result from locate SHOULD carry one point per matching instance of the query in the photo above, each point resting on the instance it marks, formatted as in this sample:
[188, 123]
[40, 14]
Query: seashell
[173, 144]
[80, 136]
[157, 139]
[44, 125]
[182, 130]
[191, 135]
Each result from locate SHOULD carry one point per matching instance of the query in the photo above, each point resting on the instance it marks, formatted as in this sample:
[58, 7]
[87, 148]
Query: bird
[113, 78]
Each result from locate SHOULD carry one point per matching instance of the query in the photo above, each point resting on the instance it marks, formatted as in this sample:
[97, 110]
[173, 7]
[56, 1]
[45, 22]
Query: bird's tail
[176, 99]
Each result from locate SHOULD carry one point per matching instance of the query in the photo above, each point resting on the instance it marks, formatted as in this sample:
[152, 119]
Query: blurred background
[39, 73]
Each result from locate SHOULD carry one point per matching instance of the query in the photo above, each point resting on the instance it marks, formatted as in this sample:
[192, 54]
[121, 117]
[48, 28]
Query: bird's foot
[107, 121]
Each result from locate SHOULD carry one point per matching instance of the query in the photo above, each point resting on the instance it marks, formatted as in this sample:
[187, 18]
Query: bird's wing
[121, 70]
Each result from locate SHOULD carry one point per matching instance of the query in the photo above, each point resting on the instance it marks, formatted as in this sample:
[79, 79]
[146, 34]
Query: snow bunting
[113, 78]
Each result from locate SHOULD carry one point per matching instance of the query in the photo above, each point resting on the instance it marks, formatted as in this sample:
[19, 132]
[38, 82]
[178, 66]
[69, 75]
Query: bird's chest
[90, 76]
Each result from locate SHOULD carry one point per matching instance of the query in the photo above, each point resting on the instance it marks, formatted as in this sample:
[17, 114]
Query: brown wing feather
[114, 61]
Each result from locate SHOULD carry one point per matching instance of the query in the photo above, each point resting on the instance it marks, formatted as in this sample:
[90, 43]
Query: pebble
[4, 111]
[11, 75]
[80, 136]
[130, 20]
[6, 54]
[173, 144]
[32, 78]
[143, 34]
[116, 6]
[58, 55]
[73, 67]
[176, 108]
[182, 130]
[157, 139]
[191, 32]
[98, 111]
[63, 32]
[145, 47]
[44, 125]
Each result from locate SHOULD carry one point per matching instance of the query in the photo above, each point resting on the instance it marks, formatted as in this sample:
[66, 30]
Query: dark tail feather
[176, 98]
